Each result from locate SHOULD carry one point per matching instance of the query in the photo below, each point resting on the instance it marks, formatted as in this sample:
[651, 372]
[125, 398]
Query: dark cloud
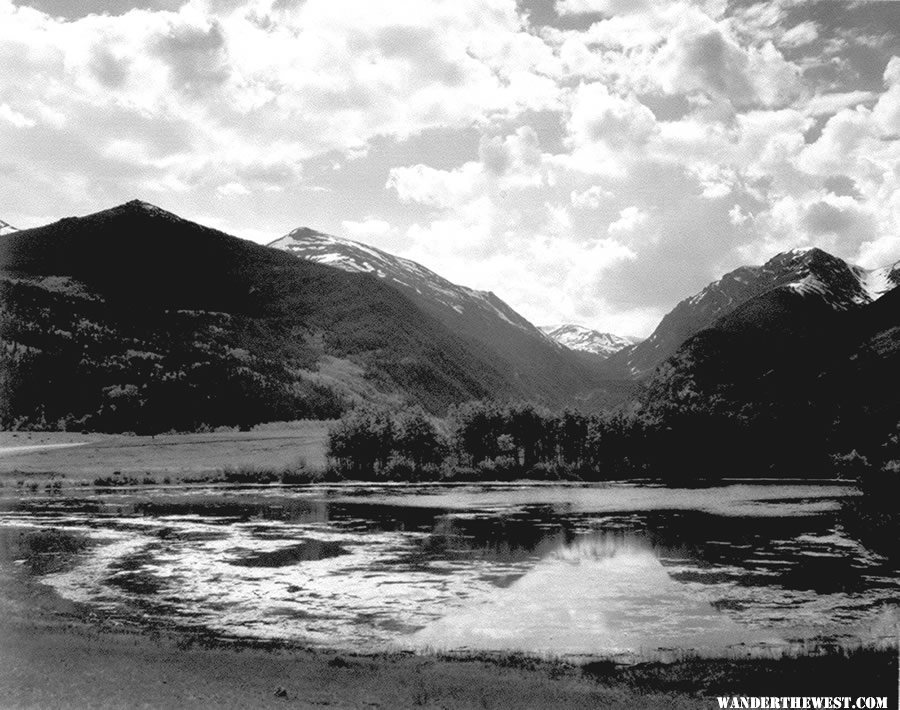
[422, 47]
[826, 218]
[196, 57]
[74, 9]
[108, 69]
[719, 66]
[842, 186]
[494, 154]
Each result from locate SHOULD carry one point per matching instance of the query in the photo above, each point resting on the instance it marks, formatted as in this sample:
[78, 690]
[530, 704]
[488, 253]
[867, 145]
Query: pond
[584, 570]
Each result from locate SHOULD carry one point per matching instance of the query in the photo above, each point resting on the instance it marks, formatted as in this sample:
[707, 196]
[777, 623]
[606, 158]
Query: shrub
[249, 475]
[499, 468]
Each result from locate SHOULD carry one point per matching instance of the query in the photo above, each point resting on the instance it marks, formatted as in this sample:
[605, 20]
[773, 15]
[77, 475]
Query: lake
[622, 570]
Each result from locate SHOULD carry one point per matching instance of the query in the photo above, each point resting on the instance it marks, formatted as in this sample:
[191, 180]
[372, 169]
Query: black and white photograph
[449, 354]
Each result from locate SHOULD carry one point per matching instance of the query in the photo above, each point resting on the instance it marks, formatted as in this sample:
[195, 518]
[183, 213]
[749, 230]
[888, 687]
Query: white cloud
[368, 228]
[630, 219]
[591, 198]
[15, 118]
[798, 35]
[232, 189]
[436, 188]
[886, 112]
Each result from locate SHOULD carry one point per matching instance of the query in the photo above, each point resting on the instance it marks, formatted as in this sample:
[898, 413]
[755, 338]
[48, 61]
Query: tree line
[486, 440]
[481, 440]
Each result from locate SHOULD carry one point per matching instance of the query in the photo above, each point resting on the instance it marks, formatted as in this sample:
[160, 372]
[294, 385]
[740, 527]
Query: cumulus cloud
[599, 168]
[630, 219]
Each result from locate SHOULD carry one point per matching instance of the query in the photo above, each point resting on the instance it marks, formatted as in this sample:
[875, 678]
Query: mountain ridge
[351, 255]
[134, 317]
[843, 286]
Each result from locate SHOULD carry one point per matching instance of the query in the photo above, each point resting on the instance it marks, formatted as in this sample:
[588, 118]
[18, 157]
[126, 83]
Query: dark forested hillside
[789, 378]
[133, 318]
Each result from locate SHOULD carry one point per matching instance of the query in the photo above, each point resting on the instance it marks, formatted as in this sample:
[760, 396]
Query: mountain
[833, 281]
[6, 228]
[791, 347]
[537, 365]
[136, 319]
[581, 339]
[789, 377]
[422, 284]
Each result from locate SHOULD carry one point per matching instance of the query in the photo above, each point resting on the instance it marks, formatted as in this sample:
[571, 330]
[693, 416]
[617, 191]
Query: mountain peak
[802, 255]
[303, 233]
[415, 279]
[142, 207]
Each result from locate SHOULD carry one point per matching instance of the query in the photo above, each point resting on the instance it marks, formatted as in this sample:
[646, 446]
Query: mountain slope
[840, 285]
[413, 278]
[536, 365]
[779, 384]
[108, 319]
[582, 339]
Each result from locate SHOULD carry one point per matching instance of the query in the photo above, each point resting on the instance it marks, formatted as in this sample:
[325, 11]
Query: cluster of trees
[483, 440]
[368, 442]
[487, 440]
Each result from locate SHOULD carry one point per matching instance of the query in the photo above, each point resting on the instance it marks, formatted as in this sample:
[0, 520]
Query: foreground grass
[76, 666]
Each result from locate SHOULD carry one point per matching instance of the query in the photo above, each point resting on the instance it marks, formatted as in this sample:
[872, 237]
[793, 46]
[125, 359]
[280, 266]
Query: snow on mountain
[877, 282]
[809, 271]
[353, 256]
[577, 337]
[6, 228]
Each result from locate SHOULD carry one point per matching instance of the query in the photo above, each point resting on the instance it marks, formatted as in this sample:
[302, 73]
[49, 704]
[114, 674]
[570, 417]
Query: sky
[589, 161]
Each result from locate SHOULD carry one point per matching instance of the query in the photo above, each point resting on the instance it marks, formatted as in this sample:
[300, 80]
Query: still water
[560, 569]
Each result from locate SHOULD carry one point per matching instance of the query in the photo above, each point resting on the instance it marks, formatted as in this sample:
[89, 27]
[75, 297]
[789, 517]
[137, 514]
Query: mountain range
[839, 284]
[135, 318]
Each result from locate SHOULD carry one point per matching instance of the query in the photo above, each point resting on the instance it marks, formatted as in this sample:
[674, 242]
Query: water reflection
[562, 570]
[603, 591]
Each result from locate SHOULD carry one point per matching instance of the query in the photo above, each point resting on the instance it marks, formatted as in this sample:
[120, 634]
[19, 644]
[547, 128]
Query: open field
[82, 457]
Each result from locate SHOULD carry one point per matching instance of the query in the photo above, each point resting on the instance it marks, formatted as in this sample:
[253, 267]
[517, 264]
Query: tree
[418, 440]
[572, 436]
[477, 426]
[530, 433]
[362, 441]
